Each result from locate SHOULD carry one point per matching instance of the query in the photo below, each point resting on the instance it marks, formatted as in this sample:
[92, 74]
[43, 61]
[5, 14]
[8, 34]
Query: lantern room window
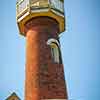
[22, 6]
[26, 9]
[39, 3]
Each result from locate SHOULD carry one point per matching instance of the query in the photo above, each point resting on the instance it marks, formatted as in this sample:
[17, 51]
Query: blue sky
[80, 46]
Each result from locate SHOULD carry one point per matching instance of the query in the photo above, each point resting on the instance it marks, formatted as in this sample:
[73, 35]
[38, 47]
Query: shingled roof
[13, 96]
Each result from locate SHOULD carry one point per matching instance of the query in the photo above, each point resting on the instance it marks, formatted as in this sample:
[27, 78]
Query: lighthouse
[41, 22]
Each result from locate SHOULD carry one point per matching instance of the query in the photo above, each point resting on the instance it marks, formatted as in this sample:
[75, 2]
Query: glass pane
[21, 5]
[57, 4]
[52, 52]
[39, 3]
[55, 53]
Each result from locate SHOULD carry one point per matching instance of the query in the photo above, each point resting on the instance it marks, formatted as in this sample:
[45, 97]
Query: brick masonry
[44, 78]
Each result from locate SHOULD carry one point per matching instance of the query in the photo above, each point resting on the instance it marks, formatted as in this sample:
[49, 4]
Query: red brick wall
[44, 78]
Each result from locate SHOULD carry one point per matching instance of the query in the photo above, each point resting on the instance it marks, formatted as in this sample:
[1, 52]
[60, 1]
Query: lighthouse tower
[41, 22]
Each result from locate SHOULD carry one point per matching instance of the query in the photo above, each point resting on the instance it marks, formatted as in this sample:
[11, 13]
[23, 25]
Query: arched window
[55, 50]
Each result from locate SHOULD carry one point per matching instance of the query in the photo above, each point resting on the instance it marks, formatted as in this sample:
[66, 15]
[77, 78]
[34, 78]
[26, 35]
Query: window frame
[55, 50]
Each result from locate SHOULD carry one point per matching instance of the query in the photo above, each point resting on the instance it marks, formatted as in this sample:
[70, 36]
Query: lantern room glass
[23, 5]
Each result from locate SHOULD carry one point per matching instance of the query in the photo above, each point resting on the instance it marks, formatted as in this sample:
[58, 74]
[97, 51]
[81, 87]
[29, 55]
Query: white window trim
[55, 54]
[52, 40]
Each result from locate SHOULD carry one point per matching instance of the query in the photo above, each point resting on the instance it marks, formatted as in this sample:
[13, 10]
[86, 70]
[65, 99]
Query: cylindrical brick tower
[44, 69]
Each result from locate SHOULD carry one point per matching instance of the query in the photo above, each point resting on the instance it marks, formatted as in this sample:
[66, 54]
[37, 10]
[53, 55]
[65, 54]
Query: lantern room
[28, 9]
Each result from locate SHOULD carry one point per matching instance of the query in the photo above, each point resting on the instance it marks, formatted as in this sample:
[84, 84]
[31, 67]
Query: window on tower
[55, 50]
